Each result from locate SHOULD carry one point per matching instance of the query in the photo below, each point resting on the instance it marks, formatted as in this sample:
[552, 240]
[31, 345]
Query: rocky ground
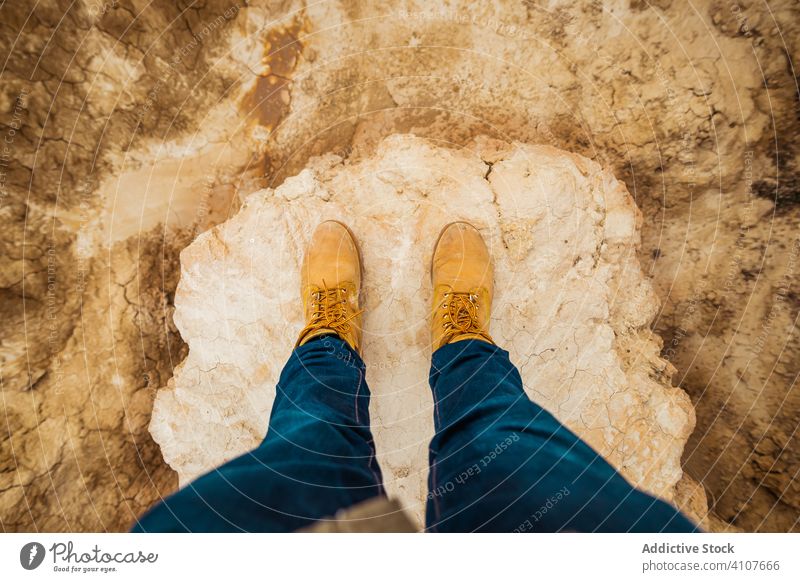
[572, 307]
[130, 127]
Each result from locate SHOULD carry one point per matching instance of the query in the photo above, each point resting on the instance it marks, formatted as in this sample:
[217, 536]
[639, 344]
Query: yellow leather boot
[462, 274]
[330, 282]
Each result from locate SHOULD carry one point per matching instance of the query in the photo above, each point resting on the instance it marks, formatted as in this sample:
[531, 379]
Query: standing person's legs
[499, 462]
[318, 455]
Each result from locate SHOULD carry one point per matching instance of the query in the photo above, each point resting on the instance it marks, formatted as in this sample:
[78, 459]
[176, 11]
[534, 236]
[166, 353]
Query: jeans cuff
[330, 345]
[452, 353]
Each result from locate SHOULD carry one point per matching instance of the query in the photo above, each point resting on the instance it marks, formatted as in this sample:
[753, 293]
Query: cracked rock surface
[572, 306]
[129, 127]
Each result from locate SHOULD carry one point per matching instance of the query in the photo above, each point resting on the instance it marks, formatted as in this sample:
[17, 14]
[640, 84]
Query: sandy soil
[129, 127]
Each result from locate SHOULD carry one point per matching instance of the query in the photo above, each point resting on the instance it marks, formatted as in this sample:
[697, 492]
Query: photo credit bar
[399, 556]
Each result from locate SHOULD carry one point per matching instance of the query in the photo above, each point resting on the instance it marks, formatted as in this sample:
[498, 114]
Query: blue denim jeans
[498, 462]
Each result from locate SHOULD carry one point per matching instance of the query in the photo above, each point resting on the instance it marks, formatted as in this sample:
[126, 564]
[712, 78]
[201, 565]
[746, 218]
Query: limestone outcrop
[572, 305]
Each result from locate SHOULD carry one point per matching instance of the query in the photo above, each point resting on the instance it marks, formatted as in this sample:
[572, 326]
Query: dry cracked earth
[129, 127]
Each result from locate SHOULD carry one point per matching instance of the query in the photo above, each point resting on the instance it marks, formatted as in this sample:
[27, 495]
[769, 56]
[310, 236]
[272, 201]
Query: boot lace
[461, 316]
[329, 310]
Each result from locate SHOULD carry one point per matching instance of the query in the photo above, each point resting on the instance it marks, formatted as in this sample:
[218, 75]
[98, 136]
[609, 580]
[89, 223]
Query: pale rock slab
[572, 305]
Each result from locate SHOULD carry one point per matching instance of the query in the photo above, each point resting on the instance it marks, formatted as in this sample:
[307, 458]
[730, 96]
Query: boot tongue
[329, 315]
[462, 319]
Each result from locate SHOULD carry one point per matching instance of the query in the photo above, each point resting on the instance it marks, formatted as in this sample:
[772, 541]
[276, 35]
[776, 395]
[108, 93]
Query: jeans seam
[434, 480]
[358, 391]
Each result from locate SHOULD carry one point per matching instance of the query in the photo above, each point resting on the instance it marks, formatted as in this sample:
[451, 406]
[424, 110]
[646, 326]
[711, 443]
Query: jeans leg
[318, 455]
[499, 462]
